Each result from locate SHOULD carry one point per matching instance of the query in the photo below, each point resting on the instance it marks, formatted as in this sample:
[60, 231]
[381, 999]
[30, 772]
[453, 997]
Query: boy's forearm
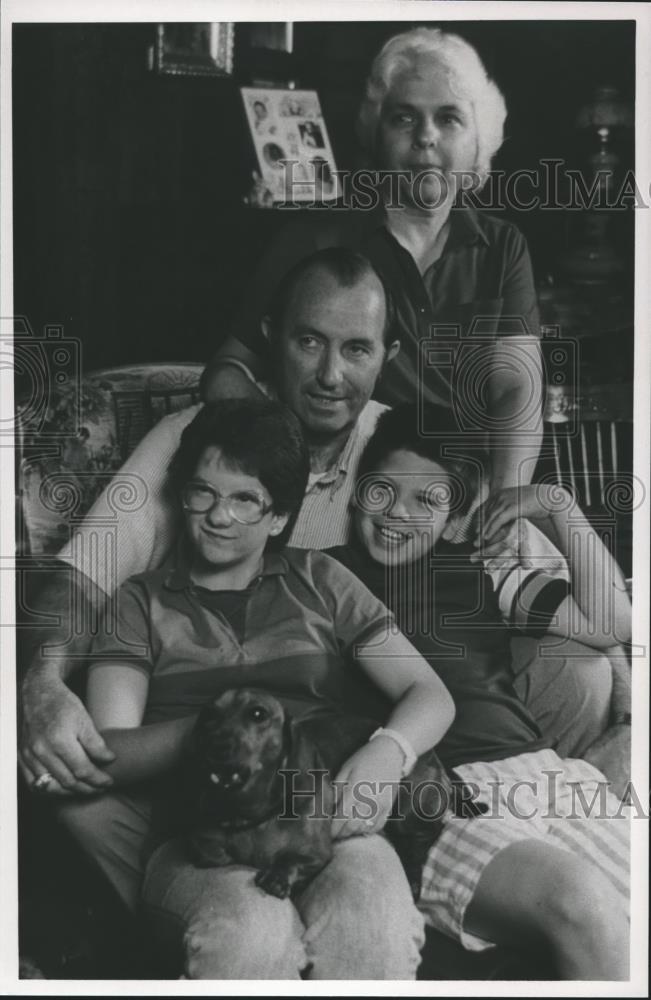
[147, 751]
[413, 716]
[598, 586]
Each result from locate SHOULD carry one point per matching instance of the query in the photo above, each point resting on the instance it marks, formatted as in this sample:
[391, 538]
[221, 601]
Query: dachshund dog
[261, 794]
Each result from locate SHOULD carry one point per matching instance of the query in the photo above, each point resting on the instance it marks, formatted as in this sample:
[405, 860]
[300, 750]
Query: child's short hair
[262, 438]
[399, 430]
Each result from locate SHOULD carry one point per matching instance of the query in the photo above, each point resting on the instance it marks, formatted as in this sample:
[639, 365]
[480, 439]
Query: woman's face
[402, 508]
[427, 128]
[217, 539]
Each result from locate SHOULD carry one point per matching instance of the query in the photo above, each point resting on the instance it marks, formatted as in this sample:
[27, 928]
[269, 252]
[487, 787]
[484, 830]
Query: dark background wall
[129, 227]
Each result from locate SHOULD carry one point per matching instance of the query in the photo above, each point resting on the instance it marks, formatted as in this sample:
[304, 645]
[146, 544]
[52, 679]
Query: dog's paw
[274, 882]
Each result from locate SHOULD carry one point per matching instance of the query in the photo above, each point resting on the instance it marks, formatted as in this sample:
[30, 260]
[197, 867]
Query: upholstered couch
[81, 433]
[68, 449]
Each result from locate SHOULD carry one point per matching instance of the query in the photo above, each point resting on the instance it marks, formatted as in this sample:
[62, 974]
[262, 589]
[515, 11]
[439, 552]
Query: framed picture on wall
[275, 35]
[203, 49]
[291, 143]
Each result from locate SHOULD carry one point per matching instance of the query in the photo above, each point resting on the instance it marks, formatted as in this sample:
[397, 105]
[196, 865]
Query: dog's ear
[302, 752]
[310, 777]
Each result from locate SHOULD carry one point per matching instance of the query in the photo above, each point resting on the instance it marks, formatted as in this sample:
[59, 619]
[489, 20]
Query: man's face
[427, 127]
[402, 508]
[331, 351]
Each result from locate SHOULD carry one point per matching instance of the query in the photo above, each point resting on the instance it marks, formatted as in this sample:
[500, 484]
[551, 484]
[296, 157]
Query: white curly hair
[467, 77]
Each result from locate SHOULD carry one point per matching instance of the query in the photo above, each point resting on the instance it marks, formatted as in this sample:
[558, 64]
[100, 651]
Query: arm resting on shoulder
[515, 381]
[514, 399]
[246, 343]
[232, 373]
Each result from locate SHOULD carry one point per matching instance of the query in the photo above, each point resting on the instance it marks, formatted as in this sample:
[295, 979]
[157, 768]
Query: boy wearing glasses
[235, 611]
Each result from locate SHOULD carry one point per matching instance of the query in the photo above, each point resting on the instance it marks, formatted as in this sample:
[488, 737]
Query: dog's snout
[230, 778]
[220, 745]
[238, 735]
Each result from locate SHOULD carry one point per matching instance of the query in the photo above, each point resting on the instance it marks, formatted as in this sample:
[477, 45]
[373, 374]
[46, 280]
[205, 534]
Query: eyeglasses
[244, 506]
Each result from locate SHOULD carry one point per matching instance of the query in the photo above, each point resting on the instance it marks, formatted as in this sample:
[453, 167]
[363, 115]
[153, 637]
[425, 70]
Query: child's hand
[503, 518]
[535, 503]
[371, 777]
[507, 547]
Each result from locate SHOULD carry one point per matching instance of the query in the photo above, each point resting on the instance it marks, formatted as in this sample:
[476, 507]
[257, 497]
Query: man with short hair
[328, 325]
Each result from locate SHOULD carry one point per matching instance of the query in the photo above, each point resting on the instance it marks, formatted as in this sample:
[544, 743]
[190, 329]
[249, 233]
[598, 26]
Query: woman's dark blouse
[480, 288]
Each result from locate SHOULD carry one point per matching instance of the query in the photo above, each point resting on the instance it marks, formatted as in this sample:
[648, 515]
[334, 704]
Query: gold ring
[43, 781]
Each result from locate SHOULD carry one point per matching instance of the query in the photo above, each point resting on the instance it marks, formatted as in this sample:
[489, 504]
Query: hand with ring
[58, 738]
[43, 782]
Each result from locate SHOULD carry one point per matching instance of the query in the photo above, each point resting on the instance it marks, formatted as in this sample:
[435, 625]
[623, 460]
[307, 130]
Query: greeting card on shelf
[291, 143]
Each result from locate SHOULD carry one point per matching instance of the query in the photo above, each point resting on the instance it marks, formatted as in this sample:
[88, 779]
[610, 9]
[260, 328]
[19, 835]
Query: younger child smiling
[541, 867]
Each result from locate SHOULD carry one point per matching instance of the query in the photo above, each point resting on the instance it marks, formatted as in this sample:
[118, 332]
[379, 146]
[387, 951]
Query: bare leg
[532, 892]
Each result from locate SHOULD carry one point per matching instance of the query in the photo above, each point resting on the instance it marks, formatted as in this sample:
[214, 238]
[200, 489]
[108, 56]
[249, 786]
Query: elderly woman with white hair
[461, 286]
[460, 280]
